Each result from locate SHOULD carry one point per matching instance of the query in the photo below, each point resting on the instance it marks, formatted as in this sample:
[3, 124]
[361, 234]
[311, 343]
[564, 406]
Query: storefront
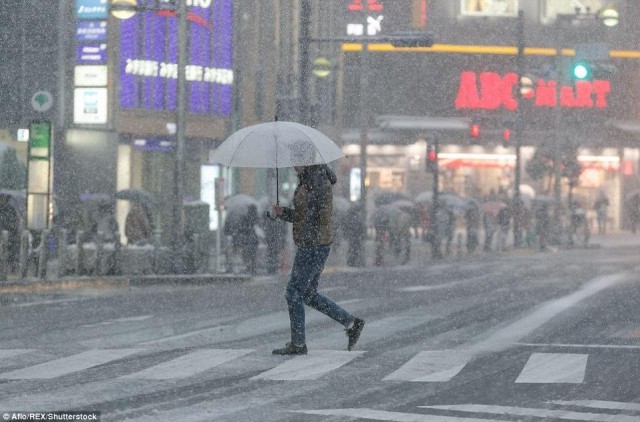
[574, 120]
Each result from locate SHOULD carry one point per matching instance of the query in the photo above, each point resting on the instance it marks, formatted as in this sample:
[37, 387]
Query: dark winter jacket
[313, 206]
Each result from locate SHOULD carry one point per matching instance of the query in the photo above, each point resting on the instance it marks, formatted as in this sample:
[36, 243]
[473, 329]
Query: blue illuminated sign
[91, 9]
[91, 31]
[91, 54]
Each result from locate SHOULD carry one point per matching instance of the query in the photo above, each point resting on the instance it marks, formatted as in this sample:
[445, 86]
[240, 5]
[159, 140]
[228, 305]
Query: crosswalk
[578, 410]
[425, 366]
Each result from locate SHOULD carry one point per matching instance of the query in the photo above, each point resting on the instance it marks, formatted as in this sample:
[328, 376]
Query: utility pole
[305, 65]
[517, 205]
[435, 229]
[559, 135]
[178, 176]
[364, 129]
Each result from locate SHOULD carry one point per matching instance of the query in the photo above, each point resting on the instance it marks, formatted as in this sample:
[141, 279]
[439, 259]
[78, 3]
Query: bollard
[97, 270]
[4, 255]
[24, 254]
[80, 253]
[43, 255]
[115, 262]
[156, 250]
[197, 261]
[62, 253]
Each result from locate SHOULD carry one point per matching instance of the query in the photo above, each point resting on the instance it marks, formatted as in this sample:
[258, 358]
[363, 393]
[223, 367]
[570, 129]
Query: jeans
[303, 289]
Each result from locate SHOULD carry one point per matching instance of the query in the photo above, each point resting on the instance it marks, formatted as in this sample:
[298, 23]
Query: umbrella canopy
[136, 195]
[387, 197]
[449, 200]
[96, 198]
[493, 207]
[276, 144]
[544, 199]
[240, 203]
[17, 199]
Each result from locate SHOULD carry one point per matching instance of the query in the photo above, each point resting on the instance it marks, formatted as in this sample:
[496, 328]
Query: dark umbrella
[96, 198]
[136, 195]
[388, 197]
[17, 199]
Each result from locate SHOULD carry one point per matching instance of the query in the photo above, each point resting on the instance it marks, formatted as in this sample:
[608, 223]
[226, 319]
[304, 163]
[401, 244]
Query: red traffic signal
[474, 131]
[506, 137]
[432, 159]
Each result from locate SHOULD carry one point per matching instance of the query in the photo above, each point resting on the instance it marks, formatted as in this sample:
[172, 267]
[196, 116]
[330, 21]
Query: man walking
[313, 235]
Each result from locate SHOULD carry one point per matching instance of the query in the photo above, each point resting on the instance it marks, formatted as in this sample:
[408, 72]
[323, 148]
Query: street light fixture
[124, 9]
[609, 16]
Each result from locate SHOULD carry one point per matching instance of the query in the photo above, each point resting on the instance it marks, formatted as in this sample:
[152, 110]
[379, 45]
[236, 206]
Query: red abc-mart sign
[491, 91]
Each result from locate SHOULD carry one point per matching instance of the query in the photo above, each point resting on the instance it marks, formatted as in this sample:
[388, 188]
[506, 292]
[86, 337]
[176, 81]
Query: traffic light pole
[518, 207]
[364, 129]
[557, 147]
[178, 176]
[435, 229]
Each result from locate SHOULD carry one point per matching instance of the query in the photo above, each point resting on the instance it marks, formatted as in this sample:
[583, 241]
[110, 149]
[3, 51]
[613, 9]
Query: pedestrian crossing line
[599, 404]
[383, 415]
[7, 353]
[535, 412]
[548, 368]
[118, 321]
[309, 367]
[69, 364]
[205, 332]
[432, 366]
[190, 364]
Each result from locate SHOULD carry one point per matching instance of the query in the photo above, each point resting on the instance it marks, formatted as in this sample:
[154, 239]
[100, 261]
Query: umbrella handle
[272, 217]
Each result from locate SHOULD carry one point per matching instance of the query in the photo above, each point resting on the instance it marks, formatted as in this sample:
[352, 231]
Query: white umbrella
[276, 144]
[240, 203]
[446, 199]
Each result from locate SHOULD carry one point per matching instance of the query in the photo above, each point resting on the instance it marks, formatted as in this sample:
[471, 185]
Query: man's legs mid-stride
[302, 289]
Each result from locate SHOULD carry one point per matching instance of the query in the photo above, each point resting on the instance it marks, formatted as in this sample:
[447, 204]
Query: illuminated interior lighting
[463, 156]
[604, 159]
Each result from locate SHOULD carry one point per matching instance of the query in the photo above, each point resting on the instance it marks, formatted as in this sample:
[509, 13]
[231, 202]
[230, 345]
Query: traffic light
[474, 131]
[580, 71]
[432, 159]
[506, 138]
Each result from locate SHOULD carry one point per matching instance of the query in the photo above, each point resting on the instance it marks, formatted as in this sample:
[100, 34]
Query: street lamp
[125, 9]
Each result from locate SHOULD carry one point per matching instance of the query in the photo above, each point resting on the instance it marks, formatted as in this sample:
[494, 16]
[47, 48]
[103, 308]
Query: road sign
[42, 101]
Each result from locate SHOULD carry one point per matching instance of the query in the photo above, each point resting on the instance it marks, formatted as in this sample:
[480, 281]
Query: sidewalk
[420, 256]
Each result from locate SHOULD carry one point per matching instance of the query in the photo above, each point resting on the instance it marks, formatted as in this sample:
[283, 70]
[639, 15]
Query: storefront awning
[420, 123]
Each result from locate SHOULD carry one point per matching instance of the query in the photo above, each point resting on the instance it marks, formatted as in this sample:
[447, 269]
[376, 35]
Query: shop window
[496, 8]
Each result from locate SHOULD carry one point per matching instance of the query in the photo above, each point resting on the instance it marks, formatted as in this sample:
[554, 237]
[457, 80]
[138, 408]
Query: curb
[43, 286]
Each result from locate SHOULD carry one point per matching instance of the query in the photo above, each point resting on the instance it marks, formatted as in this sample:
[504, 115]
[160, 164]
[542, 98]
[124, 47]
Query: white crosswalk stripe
[190, 364]
[535, 412]
[309, 367]
[69, 364]
[547, 368]
[382, 415]
[7, 353]
[432, 366]
[425, 366]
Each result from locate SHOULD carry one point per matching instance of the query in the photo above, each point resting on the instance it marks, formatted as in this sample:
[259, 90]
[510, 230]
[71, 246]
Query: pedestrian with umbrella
[287, 144]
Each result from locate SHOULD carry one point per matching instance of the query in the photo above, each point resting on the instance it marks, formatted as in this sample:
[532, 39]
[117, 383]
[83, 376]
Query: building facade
[471, 74]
